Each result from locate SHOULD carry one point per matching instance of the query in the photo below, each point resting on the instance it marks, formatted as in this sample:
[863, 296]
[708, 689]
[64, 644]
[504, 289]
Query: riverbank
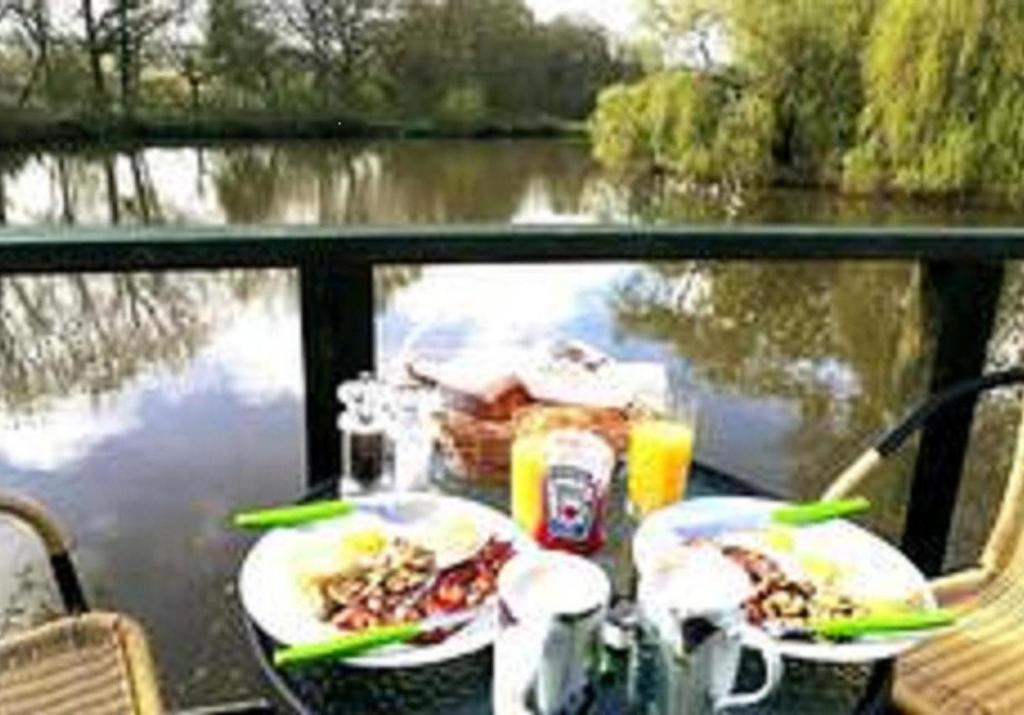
[42, 132]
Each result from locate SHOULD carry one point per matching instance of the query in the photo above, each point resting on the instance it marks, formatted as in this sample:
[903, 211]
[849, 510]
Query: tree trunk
[95, 60]
[39, 31]
[125, 59]
[26, 91]
[43, 27]
[193, 86]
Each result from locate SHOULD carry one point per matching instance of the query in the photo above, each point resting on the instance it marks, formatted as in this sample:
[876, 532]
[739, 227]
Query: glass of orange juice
[659, 459]
[528, 467]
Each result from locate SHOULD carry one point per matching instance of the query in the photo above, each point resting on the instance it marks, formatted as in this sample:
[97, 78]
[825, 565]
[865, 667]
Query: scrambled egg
[317, 558]
[779, 538]
[452, 539]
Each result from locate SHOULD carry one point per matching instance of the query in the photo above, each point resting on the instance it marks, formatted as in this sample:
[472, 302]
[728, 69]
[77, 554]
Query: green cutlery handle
[346, 646]
[884, 623]
[815, 512]
[292, 515]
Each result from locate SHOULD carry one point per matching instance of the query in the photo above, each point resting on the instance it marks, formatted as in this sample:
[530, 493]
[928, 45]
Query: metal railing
[962, 272]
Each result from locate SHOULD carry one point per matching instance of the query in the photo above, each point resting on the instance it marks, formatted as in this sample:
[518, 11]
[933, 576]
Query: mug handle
[764, 645]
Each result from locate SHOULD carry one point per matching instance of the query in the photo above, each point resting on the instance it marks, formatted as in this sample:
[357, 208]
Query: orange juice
[528, 466]
[660, 452]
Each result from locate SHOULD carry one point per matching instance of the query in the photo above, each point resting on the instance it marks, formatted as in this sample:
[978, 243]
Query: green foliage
[242, 53]
[945, 99]
[618, 133]
[907, 95]
[523, 67]
[571, 63]
[65, 85]
[782, 110]
[462, 107]
[465, 62]
[687, 124]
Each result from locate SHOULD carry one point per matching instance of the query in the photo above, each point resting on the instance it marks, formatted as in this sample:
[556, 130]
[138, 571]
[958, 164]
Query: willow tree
[944, 82]
[788, 89]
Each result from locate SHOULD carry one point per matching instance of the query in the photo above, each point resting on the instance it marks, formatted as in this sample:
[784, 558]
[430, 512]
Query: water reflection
[844, 343]
[398, 182]
[70, 335]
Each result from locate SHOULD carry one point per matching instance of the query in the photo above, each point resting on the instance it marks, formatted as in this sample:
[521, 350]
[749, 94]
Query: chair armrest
[889, 442]
[35, 515]
[961, 586]
[853, 476]
[57, 542]
[247, 707]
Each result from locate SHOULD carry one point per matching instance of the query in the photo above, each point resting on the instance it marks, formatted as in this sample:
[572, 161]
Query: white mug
[694, 612]
[551, 606]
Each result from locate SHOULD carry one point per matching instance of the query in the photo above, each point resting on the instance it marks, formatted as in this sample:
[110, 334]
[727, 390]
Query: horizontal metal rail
[33, 250]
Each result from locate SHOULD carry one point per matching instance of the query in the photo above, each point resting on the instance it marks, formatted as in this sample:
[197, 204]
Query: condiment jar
[367, 448]
[560, 484]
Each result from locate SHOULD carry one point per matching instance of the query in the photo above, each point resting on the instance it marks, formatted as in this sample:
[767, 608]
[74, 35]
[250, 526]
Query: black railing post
[337, 344]
[962, 300]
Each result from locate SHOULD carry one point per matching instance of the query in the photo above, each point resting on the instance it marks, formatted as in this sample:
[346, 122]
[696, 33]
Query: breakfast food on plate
[400, 580]
[787, 601]
[313, 561]
[796, 589]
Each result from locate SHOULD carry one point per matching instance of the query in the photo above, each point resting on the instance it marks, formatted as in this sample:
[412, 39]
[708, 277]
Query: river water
[145, 408]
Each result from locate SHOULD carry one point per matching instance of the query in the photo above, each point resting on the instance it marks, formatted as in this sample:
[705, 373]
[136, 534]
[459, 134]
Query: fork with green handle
[361, 642]
[741, 518]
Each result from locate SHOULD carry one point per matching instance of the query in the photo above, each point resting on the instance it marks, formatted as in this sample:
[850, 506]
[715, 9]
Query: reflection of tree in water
[11, 162]
[842, 340]
[75, 334]
[388, 281]
[391, 183]
[662, 199]
[97, 186]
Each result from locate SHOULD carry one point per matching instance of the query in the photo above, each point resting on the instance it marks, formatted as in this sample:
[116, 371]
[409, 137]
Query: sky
[617, 15]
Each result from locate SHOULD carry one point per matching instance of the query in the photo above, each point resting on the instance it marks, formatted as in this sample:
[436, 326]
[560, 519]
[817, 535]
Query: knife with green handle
[883, 623]
[347, 645]
[397, 510]
[894, 623]
[706, 526]
[292, 515]
[360, 642]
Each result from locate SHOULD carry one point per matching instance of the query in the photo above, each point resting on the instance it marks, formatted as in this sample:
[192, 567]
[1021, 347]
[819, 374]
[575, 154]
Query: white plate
[273, 598]
[876, 569]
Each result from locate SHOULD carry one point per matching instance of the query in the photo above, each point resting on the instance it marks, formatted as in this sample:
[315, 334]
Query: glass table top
[463, 686]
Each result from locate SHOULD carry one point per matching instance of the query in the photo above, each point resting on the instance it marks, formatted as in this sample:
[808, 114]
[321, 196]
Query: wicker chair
[978, 667]
[82, 663]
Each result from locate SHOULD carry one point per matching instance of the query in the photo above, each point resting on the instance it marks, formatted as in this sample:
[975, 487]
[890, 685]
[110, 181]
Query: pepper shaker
[367, 450]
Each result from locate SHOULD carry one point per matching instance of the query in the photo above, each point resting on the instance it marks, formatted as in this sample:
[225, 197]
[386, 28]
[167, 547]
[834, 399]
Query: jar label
[572, 501]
